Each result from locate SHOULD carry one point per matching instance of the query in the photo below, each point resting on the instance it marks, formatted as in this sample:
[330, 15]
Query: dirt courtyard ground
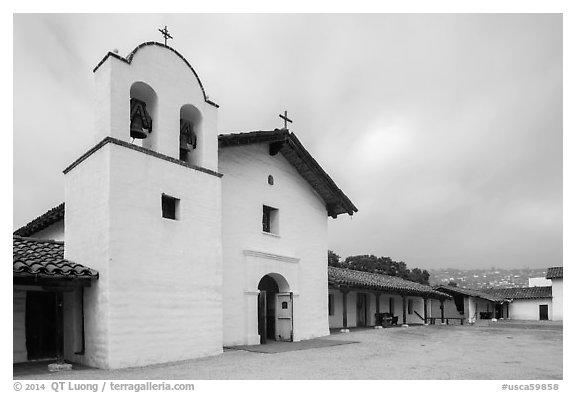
[505, 351]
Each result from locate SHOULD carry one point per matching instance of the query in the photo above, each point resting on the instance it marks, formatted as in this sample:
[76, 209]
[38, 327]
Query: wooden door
[41, 325]
[543, 312]
[361, 309]
[499, 313]
[262, 316]
[284, 316]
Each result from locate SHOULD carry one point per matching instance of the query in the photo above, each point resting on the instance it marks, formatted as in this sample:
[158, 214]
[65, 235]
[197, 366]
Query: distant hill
[485, 278]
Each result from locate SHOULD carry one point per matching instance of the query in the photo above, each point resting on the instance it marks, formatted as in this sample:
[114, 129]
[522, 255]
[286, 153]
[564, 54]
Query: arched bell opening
[143, 111]
[190, 134]
[275, 305]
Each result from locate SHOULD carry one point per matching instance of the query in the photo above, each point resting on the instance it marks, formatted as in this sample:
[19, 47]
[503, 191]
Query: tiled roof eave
[522, 293]
[392, 291]
[41, 222]
[555, 272]
[343, 203]
[71, 277]
[35, 260]
[353, 279]
[474, 294]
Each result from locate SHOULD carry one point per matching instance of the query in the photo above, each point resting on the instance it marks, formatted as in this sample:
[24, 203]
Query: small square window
[170, 207]
[269, 219]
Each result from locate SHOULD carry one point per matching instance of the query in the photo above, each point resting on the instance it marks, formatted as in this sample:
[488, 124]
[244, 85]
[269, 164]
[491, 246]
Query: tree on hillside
[333, 259]
[420, 276]
[384, 265]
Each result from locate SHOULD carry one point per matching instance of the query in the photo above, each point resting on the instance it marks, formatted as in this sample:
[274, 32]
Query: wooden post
[344, 310]
[59, 327]
[493, 310]
[425, 311]
[442, 310]
[376, 324]
[403, 310]
[507, 310]
[476, 313]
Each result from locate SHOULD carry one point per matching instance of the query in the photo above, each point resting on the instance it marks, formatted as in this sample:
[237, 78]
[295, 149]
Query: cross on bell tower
[165, 34]
[286, 119]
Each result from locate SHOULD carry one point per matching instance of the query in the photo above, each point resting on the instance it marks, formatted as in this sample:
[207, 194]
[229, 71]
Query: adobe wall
[297, 252]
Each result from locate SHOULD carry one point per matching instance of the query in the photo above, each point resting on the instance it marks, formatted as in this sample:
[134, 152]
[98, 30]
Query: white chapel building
[174, 241]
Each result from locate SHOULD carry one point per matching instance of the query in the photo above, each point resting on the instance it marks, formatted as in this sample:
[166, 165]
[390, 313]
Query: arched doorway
[274, 309]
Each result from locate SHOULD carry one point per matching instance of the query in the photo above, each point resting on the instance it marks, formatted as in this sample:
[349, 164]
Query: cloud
[444, 130]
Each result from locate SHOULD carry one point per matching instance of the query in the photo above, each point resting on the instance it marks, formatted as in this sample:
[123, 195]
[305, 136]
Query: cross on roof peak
[165, 34]
[286, 119]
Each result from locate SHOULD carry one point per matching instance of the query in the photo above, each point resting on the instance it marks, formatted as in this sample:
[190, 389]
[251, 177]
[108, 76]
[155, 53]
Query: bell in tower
[187, 139]
[140, 120]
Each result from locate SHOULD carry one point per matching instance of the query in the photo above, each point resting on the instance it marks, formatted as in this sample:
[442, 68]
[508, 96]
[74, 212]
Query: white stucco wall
[175, 85]
[335, 320]
[158, 298]
[418, 308]
[73, 321]
[557, 299]
[19, 353]
[539, 282]
[471, 312]
[528, 309]
[298, 252]
[87, 241]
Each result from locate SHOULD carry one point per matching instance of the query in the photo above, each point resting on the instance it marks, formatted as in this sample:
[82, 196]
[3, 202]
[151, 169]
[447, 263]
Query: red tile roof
[471, 292]
[555, 272]
[41, 222]
[289, 146]
[45, 258]
[338, 277]
[521, 293]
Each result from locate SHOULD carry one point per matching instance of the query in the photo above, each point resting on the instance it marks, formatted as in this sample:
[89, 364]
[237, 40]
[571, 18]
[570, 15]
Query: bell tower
[161, 93]
[143, 207]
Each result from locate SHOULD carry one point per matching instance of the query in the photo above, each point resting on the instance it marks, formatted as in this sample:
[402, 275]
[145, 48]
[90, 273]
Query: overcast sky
[444, 130]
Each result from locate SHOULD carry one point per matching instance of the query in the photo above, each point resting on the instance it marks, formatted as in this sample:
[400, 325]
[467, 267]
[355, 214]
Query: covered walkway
[48, 303]
[472, 305]
[360, 299]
